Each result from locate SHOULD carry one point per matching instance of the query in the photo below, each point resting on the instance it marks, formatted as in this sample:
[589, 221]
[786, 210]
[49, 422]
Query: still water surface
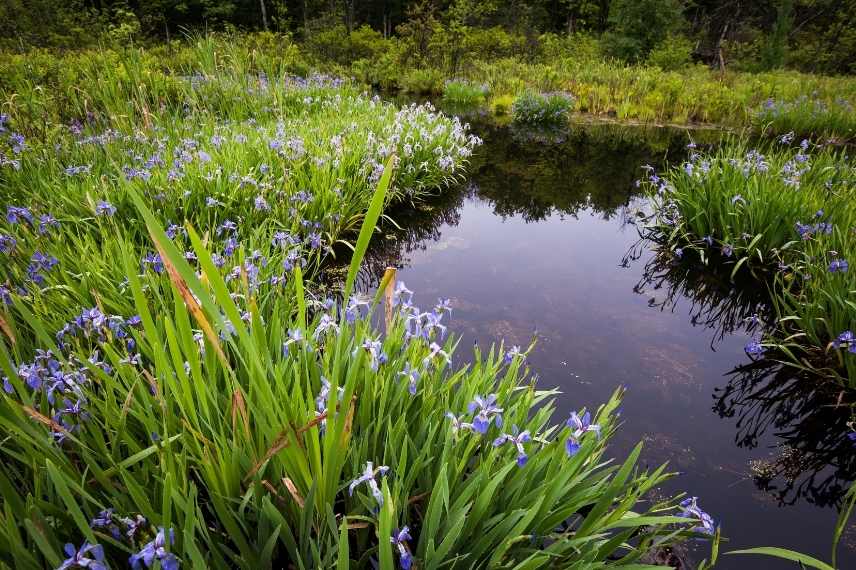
[538, 239]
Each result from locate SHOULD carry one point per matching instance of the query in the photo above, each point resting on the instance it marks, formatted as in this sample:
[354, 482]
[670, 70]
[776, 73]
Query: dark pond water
[538, 238]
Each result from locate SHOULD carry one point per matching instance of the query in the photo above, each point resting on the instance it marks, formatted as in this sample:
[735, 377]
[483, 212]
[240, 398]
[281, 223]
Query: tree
[773, 52]
[636, 26]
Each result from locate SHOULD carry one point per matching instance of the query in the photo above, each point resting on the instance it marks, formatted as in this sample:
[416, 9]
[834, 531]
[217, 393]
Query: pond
[540, 240]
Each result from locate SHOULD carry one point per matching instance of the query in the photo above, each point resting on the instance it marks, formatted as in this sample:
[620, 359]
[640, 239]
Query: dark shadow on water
[716, 302]
[814, 460]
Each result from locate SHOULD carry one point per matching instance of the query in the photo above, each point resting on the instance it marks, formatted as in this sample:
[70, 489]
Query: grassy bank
[45, 87]
[787, 215]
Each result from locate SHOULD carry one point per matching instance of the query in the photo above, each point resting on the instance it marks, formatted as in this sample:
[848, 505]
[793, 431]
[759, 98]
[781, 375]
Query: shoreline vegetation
[40, 85]
[782, 213]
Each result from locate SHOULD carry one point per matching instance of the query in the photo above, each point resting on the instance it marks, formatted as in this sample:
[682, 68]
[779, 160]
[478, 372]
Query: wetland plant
[786, 215]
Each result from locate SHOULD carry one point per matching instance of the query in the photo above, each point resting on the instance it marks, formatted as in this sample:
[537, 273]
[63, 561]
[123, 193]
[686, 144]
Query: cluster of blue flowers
[845, 340]
[14, 143]
[64, 378]
[28, 225]
[130, 530]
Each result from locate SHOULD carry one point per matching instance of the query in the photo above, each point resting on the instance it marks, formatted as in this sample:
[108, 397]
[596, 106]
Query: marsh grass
[458, 92]
[44, 88]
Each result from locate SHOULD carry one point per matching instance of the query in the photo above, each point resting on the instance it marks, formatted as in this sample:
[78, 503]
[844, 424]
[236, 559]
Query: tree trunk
[264, 14]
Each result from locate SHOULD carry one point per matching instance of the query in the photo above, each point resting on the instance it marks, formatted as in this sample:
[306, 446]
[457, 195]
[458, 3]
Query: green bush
[637, 26]
[672, 54]
[335, 44]
[422, 81]
[460, 92]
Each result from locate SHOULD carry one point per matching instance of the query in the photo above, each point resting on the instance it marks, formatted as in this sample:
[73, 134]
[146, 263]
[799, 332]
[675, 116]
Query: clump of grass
[464, 93]
[785, 214]
[542, 108]
[501, 104]
[808, 116]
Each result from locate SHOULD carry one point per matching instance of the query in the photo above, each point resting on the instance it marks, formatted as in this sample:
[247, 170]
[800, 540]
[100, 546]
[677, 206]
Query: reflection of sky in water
[561, 275]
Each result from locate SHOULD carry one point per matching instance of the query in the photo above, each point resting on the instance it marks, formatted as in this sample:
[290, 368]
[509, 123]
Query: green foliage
[774, 49]
[458, 92]
[240, 404]
[579, 47]
[807, 116]
[639, 25]
[336, 45]
[672, 54]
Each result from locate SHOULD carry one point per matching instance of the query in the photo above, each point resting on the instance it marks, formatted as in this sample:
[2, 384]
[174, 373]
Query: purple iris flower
[691, 510]
[88, 556]
[46, 224]
[154, 260]
[15, 214]
[7, 243]
[261, 204]
[846, 340]
[838, 265]
[156, 550]
[105, 521]
[513, 352]
[368, 476]
[400, 539]
[104, 208]
[754, 348]
[458, 424]
[412, 375]
[517, 439]
[485, 410]
[580, 425]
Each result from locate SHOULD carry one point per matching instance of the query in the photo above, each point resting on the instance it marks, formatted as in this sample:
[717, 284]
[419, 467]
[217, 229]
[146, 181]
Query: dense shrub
[335, 44]
[639, 25]
[672, 54]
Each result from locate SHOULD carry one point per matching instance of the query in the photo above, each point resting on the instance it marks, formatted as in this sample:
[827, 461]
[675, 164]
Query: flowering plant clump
[542, 108]
[223, 423]
[785, 216]
[807, 115]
